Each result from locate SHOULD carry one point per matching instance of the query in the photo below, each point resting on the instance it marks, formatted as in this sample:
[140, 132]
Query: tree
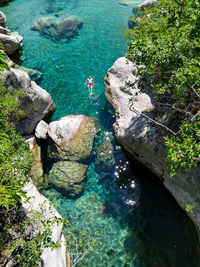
[165, 40]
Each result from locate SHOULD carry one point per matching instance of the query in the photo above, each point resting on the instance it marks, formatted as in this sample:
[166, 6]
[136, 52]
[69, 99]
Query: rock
[73, 137]
[2, 19]
[124, 3]
[41, 130]
[143, 141]
[4, 30]
[36, 172]
[58, 28]
[105, 156]
[147, 4]
[36, 102]
[35, 75]
[49, 257]
[30, 140]
[11, 43]
[69, 177]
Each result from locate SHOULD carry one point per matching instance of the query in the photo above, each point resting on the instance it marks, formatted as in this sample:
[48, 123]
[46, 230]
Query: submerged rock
[72, 137]
[36, 102]
[68, 177]
[57, 28]
[141, 139]
[105, 156]
[35, 75]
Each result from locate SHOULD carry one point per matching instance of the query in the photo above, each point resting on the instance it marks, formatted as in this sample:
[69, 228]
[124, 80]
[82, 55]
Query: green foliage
[166, 42]
[190, 208]
[15, 157]
[30, 243]
[184, 150]
[3, 62]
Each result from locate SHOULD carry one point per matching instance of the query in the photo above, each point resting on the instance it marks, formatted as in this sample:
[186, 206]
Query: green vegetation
[165, 40]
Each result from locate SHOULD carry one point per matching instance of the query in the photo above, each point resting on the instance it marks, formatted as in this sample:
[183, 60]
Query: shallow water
[133, 216]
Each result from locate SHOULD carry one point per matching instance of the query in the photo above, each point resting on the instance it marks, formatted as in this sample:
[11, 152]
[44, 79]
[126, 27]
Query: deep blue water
[152, 232]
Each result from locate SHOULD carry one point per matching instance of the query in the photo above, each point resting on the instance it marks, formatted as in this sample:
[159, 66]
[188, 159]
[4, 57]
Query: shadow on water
[156, 223]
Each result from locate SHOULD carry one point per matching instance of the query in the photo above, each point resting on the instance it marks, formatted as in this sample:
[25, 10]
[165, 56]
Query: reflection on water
[138, 223]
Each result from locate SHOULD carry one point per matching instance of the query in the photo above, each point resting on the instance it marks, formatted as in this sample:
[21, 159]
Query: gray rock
[11, 43]
[68, 176]
[142, 140]
[36, 102]
[147, 4]
[57, 28]
[4, 30]
[73, 137]
[41, 130]
[49, 258]
[2, 19]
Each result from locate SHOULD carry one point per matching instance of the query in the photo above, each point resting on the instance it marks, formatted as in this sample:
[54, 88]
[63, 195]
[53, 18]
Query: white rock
[140, 138]
[36, 102]
[147, 4]
[41, 130]
[10, 43]
[55, 257]
[73, 137]
[2, 19]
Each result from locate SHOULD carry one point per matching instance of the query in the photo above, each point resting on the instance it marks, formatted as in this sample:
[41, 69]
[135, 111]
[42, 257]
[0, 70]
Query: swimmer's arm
[86, 81]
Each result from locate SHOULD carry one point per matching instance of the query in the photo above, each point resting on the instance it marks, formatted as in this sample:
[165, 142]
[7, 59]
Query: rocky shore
[142, 139]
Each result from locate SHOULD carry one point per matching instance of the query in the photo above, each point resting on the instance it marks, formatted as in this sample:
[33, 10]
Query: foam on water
[138, 222]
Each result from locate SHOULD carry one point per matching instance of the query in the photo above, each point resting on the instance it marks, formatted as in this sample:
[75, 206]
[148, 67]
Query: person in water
[90, 82]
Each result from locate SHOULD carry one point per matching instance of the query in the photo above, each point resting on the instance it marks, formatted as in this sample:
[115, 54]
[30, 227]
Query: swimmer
[91, 82]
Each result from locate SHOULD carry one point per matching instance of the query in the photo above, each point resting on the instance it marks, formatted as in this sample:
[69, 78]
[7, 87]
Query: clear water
[152, 232]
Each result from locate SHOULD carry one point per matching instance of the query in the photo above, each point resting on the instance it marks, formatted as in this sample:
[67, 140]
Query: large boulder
[36, 102]
[11, 43]
[58, 28]
[69, 177]
[72, 137]
[141, 139]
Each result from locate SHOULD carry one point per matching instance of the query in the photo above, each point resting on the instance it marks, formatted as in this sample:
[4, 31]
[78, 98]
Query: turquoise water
[133, 218]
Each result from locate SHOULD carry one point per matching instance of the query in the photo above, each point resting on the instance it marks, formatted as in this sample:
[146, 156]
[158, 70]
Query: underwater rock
[105, 156]
[68, 176]
[35, 75]
[58, 28]
[11, 43]
[141, 139]
[125, 3]
[2, 19]
[72, 137]
[36, 102]
[41, 130]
